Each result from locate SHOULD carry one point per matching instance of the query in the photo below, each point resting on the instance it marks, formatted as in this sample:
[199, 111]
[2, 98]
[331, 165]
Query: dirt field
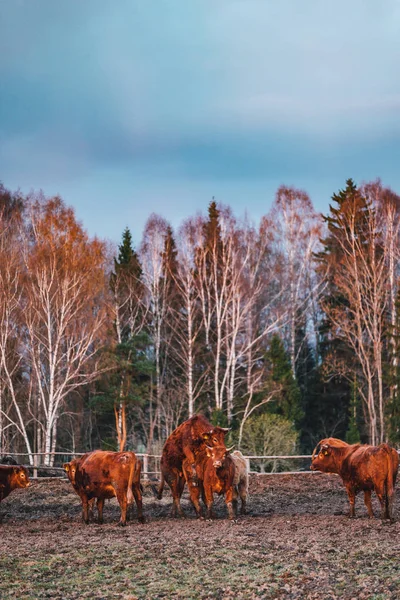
[296, 542]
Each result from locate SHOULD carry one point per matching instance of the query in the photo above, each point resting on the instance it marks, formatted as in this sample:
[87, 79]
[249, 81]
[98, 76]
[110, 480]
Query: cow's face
[70, 469]
[217, 455]
[324, 460]
[19, 478]
[215, 437]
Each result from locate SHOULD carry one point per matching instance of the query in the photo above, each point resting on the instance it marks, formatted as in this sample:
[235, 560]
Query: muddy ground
[296, 542]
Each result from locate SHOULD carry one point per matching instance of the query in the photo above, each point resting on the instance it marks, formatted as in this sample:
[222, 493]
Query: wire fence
[260, 464]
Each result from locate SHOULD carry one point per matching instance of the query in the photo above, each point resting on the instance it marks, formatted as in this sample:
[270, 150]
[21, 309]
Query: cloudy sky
[138, 106]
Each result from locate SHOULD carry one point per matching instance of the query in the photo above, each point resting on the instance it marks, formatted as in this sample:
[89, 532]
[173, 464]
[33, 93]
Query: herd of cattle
[195, 454]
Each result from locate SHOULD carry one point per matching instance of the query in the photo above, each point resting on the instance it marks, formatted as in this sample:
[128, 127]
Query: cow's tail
[389, 482]
[129, 495]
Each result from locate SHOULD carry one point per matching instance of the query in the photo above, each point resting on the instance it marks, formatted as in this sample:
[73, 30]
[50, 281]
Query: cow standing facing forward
[101, 474]
[178, 460]
[362, 468]
[219, 472]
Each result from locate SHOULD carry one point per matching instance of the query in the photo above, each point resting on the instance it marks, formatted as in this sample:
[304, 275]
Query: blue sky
[138, 106]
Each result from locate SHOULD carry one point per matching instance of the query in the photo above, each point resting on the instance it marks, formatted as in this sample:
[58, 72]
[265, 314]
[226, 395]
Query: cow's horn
[225, 429]
[231, 448]
[315, 451]
[209, 447]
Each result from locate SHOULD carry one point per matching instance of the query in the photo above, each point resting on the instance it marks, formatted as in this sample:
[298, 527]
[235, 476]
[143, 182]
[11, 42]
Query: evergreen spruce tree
[308, 380]
[130, 353]
[336, 392]
[288, 403]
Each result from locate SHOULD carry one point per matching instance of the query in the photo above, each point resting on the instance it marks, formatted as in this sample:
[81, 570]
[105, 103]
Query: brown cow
[101, 474]
[70, 469]
[12, 477]
[362, 468]
[216, 473]
[183, 445]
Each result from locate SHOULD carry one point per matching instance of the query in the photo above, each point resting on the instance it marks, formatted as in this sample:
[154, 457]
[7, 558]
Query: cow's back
[187, 435]
[102, 471]
[241, 470]
[368, 464]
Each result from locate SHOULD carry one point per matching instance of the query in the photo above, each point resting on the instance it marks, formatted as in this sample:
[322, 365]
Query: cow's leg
[85, 509]
[139, 503]
[100, 506]
[390, 503]
[352, 499]
[195, 487]
[176, 482]
[209, 496]
[381, 493]
[123, 504]
[367, 501]
[235, 497]
[195, 491]
[190, 464]
[229, 497]
[91, 509]
[243, 496]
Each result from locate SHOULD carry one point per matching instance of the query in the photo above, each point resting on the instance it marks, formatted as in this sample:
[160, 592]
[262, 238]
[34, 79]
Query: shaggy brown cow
[101, 474]
[183, 445]
[362, 468]
[241, 480]
[12, 477]
[216, 473]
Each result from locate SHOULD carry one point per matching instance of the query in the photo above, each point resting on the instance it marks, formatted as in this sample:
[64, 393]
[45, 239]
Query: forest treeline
[287, 331]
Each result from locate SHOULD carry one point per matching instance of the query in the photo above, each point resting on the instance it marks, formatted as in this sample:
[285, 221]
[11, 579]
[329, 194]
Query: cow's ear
[66, 467]
[16, 469]
[206, 436]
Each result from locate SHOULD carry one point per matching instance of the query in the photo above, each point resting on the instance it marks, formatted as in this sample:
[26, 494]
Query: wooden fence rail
[152, 460]
[147, 458]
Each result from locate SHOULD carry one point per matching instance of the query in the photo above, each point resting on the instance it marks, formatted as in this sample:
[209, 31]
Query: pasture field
[296, 542]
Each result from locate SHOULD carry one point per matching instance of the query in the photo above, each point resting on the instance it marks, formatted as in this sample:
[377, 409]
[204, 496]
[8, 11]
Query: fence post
[145, 466]
[35, 464]
[247, 464]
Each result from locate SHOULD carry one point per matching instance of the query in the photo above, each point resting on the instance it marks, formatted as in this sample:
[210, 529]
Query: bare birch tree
[186, 321]
[65, 308]
[361, 279]
[15, 412]
[156, 288]
[297, 229]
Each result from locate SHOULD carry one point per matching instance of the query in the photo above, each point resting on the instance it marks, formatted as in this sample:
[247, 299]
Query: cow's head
[328, 454]
[324, 458]
[215, 437]
[70, 469]
[19, 477]
[217, 454]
